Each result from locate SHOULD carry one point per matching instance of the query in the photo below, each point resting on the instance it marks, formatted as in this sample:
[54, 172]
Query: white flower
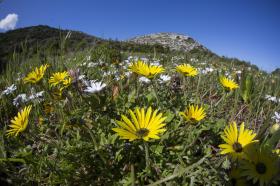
[207, 70]
[238, 72]
[130, 58]
[193, 60]
[144, 59]
[267, 97]
[38, 96]
[100, 62]
[81, 77]
[83, 64]
[271, 98]
[94, 86]
[9, 90]
[126, 61]
[91, 64]
[20, 98]
[88, 58]
[144, 79]
[119, 76]
[164, 78]
[155, 63]
[127, 74]
[19, 76]
[108, 73]
[276, 117]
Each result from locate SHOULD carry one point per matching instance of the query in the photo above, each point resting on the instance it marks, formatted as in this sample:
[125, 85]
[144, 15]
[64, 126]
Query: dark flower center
[193, 119]
[233, 181]
[261, 168]
[237, 147]
[142, 132]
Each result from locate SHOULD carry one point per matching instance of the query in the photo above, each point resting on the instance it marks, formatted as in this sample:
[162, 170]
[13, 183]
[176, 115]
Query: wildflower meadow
[90, 118]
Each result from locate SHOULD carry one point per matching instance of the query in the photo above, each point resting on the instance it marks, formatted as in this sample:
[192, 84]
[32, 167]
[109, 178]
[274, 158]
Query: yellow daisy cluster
[236, 141]
[258, 164]
[261, 166]
[236, 177]
[146, 70]
[150, 71]
[36, 75]
[148, 124]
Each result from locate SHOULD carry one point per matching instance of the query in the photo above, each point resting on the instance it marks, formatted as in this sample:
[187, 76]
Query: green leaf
[150, 97]
[170, 115]
[273, 140]
[132, 96]
[226, 164]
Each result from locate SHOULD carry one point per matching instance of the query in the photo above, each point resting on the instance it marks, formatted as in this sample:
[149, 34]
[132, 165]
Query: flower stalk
[132, 174]
[147, 156]
[155, 90]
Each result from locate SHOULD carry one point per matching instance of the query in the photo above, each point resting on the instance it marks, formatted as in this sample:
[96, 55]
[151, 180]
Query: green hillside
[45, 40]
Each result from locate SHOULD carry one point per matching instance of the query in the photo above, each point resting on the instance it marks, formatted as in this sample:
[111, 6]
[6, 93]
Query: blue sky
[246, 29]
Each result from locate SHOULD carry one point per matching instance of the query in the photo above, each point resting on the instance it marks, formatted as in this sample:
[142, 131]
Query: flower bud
[274, 128]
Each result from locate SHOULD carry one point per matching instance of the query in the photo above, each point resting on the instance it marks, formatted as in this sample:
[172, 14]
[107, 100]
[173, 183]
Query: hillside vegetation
[115, 114]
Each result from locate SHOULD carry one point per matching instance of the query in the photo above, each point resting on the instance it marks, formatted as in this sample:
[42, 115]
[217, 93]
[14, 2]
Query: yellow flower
[228, 84]
[36, 75]
[143, 69]
[66, 82]
[236, 177]
[277, 152]
[58, 77]
[141, 125]
[261, 166]
[40, 120]
[193, 113]
[48, 108]
[57, 93]
[236, 143]
[187, 70]
[19, 123]
[274, 128]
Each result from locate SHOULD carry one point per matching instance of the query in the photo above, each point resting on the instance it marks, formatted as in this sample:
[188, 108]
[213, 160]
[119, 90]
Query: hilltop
[48, 41]
[43, 38]
[173, 41]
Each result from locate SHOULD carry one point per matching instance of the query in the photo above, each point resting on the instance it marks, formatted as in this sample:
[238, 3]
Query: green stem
[222, 98]
[96, 145]
[197, 89]
[155, 91]
[147, 155]
[137, 87]
[180, 173]
[185, 86]
[132, 174]
[235, 105]
[13, 160]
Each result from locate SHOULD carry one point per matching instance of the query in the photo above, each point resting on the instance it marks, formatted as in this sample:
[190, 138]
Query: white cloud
[9, 22]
